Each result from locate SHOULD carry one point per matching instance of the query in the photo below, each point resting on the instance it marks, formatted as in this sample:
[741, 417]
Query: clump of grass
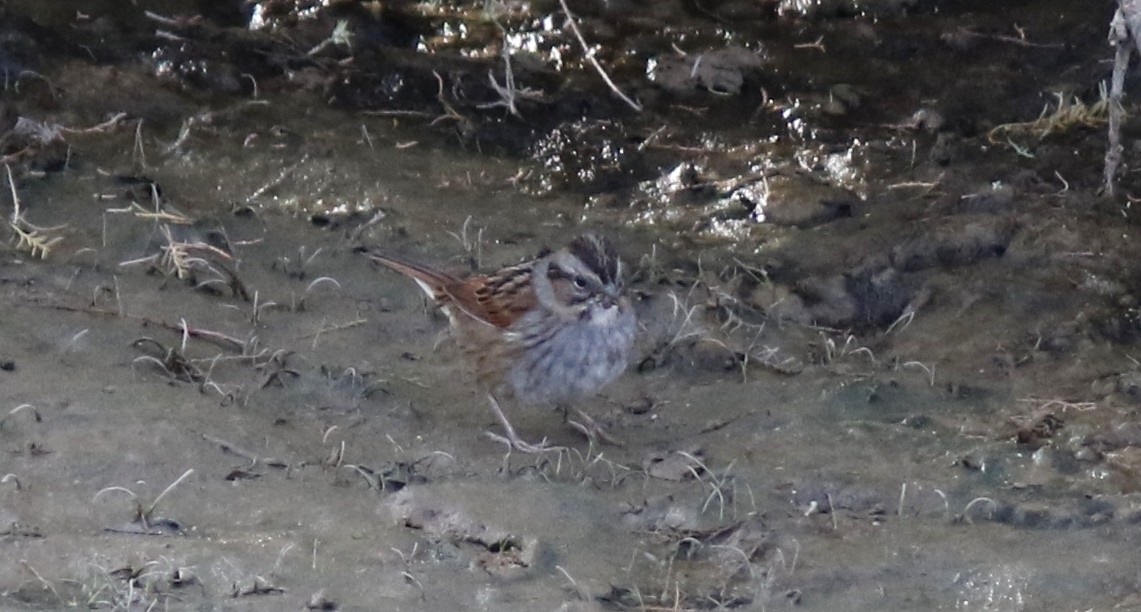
[145, 520]
[1069, 112]
[37, 241]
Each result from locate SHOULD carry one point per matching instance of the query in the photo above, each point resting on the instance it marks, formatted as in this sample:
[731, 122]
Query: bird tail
[432, 281]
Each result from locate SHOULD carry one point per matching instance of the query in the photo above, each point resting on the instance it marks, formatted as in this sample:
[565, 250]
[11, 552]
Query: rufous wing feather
[500, 299]
[497, 300]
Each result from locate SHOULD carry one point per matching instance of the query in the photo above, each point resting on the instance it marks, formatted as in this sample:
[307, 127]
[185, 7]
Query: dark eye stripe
[556, 273]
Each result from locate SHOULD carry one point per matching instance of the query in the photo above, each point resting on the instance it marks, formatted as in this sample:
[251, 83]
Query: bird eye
[580, 282]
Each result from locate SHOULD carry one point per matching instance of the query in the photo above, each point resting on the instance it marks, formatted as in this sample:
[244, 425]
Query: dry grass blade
[167, 490]
[22, 407]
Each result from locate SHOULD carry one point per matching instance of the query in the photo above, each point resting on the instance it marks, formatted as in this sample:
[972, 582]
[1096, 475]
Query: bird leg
[512, 439]
[591, 429]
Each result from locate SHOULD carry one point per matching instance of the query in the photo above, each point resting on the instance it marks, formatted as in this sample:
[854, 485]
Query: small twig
[589, 54]
[397, 113]
[449, 111]
[250, 456]
[280, 178]
[102, 127]
[323, 329]
[223, 340]
[1009, 39]
[817, 44]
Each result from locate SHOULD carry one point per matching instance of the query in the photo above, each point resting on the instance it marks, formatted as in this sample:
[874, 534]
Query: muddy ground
[889, 350]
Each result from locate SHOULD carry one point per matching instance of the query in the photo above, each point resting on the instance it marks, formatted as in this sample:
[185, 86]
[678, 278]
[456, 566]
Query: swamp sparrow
[548, 330]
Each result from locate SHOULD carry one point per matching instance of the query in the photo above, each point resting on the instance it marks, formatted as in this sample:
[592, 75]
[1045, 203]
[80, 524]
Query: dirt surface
[888, 351]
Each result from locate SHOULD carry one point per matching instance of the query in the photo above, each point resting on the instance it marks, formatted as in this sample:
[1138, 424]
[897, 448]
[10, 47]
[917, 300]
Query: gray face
[587, 271]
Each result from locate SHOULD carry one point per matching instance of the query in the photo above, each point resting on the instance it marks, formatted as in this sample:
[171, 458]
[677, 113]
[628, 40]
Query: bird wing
[500, 299]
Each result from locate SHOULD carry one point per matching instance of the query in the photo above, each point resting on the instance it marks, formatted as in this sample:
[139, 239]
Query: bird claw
[592, 430]
[519, 444]
[512, 439]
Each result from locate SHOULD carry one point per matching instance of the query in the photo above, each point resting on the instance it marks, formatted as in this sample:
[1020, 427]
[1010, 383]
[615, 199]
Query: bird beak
[610, 297]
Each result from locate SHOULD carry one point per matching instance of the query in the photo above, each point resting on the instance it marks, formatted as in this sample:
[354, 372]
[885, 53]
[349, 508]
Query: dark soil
[888, 357]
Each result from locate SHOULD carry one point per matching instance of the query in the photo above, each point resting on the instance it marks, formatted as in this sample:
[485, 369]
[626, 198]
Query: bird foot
[513, 441]
[592, 430]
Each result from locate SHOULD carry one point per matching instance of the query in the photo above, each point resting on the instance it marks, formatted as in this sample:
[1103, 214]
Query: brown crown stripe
[598, 254]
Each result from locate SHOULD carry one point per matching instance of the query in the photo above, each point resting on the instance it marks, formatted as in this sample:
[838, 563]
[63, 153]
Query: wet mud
[888, 323]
